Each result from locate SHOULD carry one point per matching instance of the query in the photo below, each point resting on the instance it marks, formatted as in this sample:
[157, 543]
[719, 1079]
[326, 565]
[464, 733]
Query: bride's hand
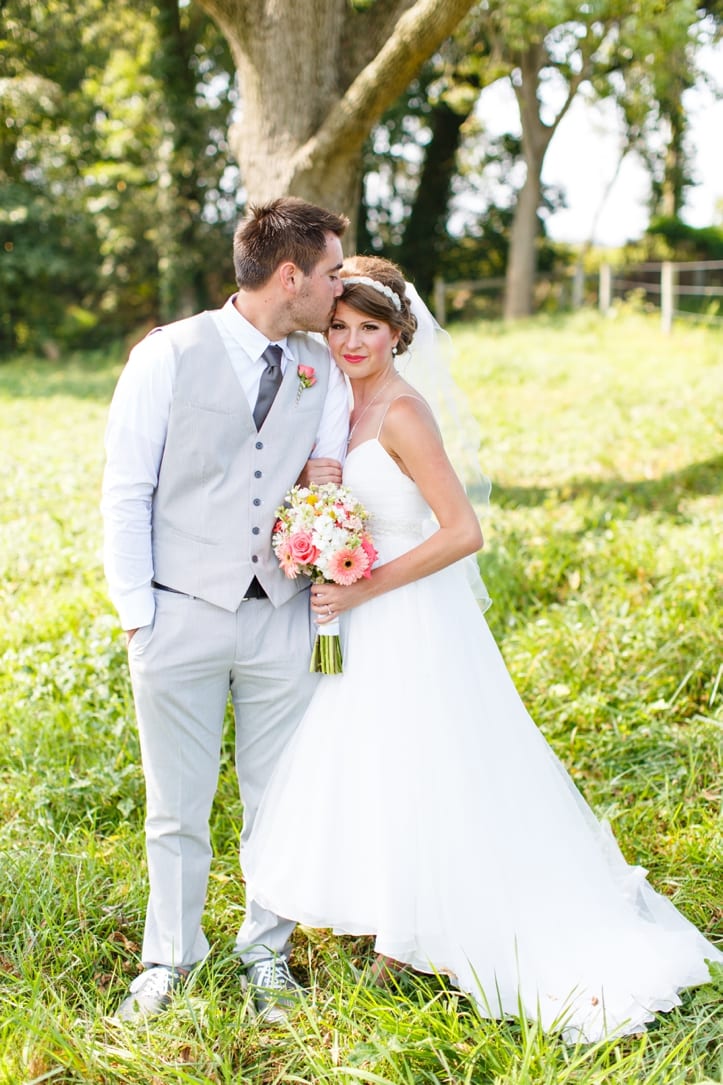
[328, 601]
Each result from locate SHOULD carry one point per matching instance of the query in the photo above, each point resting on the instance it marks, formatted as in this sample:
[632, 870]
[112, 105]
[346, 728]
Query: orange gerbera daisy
[347, 565]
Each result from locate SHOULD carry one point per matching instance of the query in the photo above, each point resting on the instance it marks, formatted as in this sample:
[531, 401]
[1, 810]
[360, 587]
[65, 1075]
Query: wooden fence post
[667, 295]
[578, 286]
[605, 288]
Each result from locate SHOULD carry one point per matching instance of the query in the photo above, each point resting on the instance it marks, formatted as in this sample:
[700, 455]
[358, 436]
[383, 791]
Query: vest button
[255, 530]
[257, 474]
[254, 558]
[257, 501]
[259, 444]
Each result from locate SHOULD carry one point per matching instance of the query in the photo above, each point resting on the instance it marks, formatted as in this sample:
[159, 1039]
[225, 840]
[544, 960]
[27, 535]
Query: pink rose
[307, 379]
[301, 545]
[307, 374]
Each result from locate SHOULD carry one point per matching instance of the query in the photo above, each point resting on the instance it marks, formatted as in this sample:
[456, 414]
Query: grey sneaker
[275, 991]
[149, 993]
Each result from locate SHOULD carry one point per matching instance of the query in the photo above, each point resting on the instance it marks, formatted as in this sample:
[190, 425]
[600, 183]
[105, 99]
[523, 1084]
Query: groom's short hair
[285, 229]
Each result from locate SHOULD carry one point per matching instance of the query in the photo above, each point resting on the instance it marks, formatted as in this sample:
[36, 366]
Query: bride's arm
[410, 435]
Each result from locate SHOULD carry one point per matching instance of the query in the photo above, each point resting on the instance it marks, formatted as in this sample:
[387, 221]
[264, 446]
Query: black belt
[162, 587]
[254, 590]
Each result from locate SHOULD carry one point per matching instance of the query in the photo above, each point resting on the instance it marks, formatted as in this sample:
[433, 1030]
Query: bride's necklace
[371, 403]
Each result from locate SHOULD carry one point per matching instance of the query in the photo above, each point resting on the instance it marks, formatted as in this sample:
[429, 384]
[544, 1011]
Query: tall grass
[604, 561]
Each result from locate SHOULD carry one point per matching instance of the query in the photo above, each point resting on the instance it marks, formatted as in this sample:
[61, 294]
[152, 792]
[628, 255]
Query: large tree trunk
[315, 76]
[426, 228]
[536, 136]
[181, 275]
[675, 163]
[522, 255]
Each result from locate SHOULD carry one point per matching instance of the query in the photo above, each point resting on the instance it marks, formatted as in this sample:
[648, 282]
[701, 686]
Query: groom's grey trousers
[182, 668]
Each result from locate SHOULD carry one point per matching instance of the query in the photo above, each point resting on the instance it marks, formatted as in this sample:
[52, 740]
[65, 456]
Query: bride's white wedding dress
[419, 803]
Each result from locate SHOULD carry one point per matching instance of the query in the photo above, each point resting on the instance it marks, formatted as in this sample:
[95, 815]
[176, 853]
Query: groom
[210, 424]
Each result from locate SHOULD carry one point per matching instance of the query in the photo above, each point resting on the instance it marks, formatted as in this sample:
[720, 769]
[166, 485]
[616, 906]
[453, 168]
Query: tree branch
[233, 18]
[418, 32]
[365, 32]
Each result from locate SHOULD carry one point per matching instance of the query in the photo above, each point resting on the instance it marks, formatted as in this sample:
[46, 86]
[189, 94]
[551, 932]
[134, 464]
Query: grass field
[603, 440]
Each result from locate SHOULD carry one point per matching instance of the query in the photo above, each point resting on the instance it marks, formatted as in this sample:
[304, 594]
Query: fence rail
[682, 290]
[685, 290]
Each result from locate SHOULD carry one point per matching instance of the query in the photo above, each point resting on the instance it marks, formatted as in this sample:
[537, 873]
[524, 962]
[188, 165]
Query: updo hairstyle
[365, 299]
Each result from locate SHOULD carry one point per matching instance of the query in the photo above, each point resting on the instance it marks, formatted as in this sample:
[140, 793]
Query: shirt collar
[250, 339]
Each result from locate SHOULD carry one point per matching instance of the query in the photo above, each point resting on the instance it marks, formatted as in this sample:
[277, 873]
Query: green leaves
[109, 188]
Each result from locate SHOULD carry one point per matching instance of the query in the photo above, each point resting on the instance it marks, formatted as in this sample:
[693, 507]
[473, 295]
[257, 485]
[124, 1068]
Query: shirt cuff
[135, 608]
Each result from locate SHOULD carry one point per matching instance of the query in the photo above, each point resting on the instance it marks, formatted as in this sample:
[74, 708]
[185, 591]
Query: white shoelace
[272, 973]
[156, 982]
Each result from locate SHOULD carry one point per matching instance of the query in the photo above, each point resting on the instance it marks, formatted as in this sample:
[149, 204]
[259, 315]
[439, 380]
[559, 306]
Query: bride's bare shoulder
[409, 414]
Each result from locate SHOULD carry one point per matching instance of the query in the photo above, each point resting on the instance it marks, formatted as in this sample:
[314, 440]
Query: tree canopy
[131, 136]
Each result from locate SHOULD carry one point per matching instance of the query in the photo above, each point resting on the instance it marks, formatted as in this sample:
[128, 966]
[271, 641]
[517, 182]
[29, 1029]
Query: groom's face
[317, 292]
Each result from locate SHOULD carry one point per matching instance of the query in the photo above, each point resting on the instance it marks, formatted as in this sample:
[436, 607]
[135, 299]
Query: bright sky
[584, 151]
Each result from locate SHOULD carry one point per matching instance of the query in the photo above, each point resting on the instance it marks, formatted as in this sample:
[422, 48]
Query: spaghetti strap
[402, 395]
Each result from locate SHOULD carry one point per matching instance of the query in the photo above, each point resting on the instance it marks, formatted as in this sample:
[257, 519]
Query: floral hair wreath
[376, 285]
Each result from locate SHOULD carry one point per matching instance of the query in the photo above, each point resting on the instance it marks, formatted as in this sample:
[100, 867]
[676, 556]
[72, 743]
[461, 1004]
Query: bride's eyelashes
[338, 326]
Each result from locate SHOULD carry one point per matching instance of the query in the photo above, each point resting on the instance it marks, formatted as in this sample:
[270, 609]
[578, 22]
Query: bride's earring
[394, 350]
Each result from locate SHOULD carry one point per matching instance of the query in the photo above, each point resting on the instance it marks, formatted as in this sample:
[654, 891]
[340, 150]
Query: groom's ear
[289, 275]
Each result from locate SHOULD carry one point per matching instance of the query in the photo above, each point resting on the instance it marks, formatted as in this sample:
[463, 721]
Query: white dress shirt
[136, 435]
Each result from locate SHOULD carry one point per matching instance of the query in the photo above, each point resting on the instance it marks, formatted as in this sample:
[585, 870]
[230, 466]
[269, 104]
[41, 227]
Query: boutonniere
[307, 379]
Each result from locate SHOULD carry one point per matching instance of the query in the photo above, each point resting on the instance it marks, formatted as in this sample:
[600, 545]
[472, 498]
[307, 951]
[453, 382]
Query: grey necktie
[270, 383]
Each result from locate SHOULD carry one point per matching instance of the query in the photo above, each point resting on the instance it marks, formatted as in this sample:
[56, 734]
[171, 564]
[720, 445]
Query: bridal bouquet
[321, 533]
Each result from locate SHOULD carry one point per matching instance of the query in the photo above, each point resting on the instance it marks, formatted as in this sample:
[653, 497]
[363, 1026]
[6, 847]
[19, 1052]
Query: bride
[417, 801]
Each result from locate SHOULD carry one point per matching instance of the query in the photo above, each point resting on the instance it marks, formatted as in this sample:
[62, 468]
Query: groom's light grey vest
[220, 480]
